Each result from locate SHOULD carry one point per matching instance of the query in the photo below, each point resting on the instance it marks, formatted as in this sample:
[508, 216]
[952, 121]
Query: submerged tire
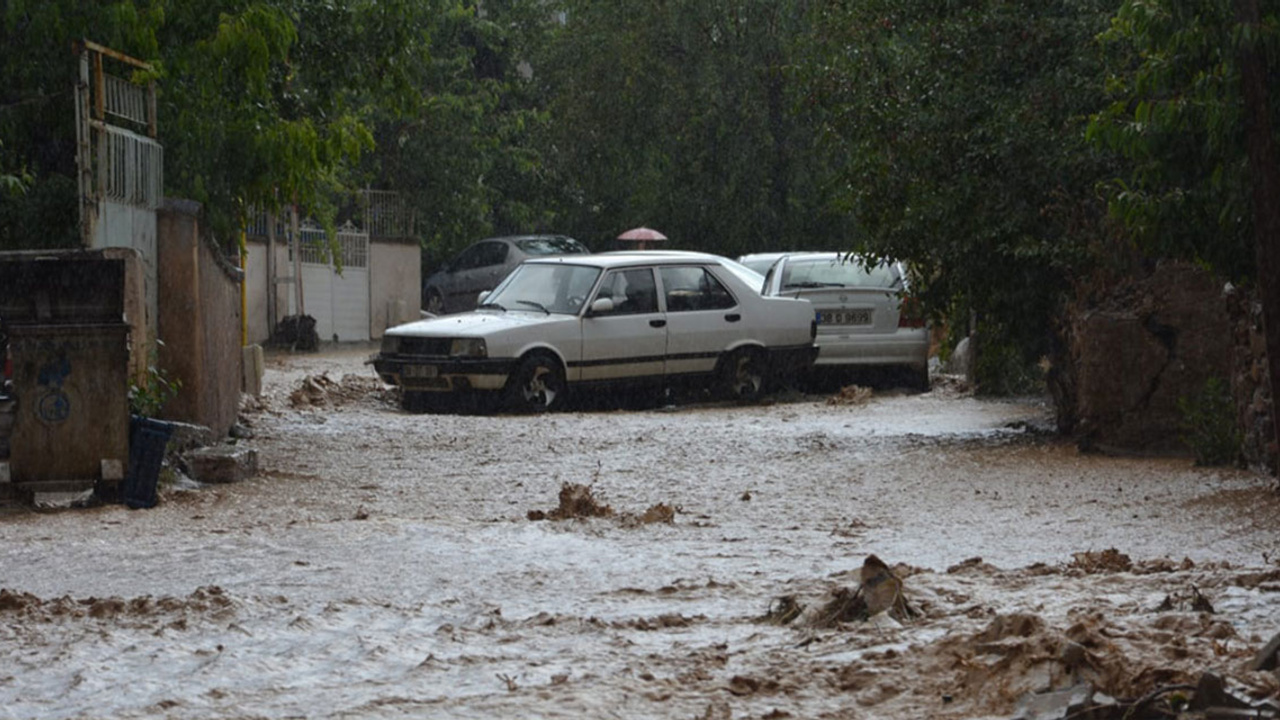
[537, 385]
[413, 401]
[918, 378]
[744, 376]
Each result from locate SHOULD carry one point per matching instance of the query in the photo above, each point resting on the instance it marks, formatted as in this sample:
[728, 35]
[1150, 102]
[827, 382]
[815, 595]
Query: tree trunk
[1264, 176]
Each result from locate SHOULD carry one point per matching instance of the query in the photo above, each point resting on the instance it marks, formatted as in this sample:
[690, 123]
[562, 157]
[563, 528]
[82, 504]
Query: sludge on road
[385, 564]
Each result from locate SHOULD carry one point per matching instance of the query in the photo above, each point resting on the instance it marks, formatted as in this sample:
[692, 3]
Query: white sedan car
[865, 317]
[556, 324]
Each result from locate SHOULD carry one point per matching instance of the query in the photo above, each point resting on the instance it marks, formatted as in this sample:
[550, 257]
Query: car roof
[528, 236]
[626, 258]
[763, 256]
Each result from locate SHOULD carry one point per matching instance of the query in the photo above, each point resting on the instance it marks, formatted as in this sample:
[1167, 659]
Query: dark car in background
[479, 268]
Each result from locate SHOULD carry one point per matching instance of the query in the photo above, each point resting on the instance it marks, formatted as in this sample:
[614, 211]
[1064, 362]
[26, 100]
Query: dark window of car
[493, 253]
[837, 272]
[633, 291]
[694, 288]
[468, 259]
[551, 246]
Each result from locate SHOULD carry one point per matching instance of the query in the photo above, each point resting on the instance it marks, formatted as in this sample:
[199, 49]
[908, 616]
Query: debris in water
[880, 591]
[1107, 561]
[1193, 601]
[659, 513]
[850, 395]
[783, 610]
[1267, 657]
[576, 501]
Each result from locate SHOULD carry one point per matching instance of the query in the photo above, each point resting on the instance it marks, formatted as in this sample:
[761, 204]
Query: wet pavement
[384, 564]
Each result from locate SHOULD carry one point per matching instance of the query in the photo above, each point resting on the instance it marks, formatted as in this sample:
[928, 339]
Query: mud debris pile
[578, 501]
[851, 395]
[323, 391]
[1100, 660]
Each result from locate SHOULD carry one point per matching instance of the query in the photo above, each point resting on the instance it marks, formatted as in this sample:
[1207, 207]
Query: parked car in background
[456, 284]
[865, 314]
[560, 324]
[760, 262]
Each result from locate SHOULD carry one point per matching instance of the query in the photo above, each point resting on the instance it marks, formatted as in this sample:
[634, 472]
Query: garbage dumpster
[69, 350]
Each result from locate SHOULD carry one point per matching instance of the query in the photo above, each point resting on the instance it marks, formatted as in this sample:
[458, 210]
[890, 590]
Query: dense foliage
[960, 124]
[1177, 115]
[687, 116]
[950, 134]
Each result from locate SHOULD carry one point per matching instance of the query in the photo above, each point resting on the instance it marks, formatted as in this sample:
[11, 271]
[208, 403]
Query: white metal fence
[132, 171]
[387, 214]
[125, 100]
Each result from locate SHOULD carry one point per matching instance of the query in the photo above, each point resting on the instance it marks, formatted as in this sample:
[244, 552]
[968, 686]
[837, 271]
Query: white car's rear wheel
[743, 376]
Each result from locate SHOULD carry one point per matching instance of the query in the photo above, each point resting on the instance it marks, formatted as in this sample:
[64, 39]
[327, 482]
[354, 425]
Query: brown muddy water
[385, 565]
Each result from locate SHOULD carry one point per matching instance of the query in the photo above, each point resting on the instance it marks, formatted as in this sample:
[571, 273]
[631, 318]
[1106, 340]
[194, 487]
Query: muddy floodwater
[386, 565]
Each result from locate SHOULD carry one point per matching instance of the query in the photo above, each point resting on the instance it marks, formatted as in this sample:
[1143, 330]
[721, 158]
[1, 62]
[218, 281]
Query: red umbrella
[642, 233]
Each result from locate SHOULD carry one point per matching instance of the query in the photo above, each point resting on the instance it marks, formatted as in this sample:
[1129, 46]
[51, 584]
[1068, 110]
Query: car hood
[475, 324]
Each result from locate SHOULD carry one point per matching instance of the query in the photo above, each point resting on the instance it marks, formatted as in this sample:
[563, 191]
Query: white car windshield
[837, 272]
[550, 288]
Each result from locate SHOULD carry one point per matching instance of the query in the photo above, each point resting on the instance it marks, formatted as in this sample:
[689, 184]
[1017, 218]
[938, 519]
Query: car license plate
[420, 371]
[845, 317]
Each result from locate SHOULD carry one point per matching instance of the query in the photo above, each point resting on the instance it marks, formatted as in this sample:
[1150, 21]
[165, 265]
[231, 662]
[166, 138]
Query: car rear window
[551, 246]
[837, 272]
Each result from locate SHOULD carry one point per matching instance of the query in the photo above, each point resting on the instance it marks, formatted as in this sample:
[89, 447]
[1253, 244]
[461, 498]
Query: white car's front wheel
[537, 385]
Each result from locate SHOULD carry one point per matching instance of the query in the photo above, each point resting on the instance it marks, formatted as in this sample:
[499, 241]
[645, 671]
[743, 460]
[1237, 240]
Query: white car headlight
[390, 344]
[468, 347]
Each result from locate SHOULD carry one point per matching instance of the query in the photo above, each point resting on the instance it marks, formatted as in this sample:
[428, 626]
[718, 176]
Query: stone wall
[1250, 385]
[1138, 349]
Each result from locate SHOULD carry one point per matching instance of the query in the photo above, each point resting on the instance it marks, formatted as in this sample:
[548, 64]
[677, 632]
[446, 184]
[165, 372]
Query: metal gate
[336, 294]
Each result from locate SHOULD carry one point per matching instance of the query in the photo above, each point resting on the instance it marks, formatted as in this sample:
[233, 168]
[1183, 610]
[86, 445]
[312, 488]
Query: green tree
[37, 111]
[256, 110]
[1176, 117]
[684, 116]
[961, 128]
[463, 148]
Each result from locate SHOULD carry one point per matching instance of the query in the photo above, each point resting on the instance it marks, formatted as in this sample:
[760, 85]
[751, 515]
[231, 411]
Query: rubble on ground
[851, 395]
[322, 391]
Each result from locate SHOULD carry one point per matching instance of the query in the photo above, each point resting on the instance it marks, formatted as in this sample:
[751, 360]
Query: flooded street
[384, 564]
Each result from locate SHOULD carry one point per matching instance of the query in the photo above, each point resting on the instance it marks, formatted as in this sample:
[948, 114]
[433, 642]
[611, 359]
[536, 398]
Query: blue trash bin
[148, 439]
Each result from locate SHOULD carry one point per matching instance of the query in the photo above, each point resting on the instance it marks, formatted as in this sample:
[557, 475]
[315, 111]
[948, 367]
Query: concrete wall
[128, 226]
[395, 284]
[255, 281]
[258, 285]
[199, 321]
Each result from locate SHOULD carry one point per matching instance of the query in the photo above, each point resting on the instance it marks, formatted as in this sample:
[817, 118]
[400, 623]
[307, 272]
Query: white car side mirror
[602, 306]
[480, 298]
